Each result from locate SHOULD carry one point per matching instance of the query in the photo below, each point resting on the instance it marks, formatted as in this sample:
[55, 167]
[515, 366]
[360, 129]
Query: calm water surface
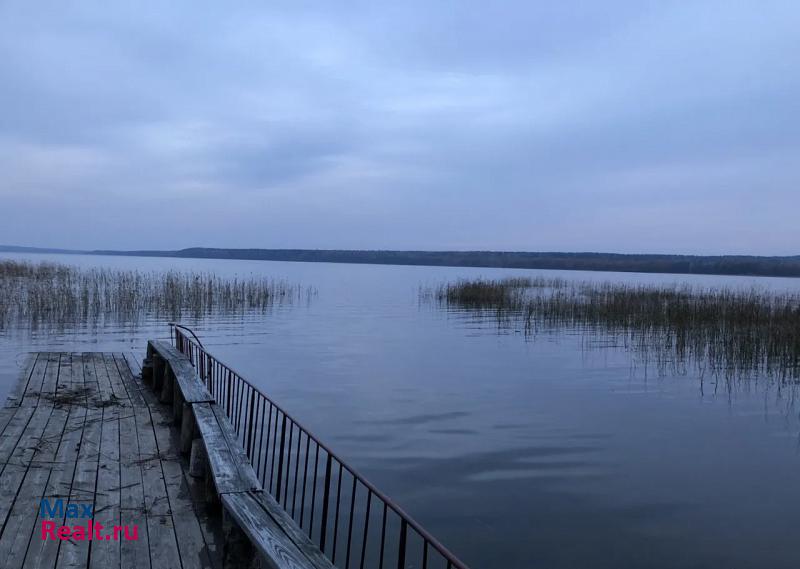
[517, 453]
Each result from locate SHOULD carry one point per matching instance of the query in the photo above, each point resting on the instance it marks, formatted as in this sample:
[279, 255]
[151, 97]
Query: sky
[619, 126]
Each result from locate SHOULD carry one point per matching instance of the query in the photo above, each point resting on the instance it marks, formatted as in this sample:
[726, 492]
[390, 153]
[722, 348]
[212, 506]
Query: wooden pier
[93, 473]
[80, 427]
[179, 463]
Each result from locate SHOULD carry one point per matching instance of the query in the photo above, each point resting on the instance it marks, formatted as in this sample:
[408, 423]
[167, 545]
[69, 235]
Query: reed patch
[62, 295]
[736, 333]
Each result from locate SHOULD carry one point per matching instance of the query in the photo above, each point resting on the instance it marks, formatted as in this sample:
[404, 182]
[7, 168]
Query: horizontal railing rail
[352, 522]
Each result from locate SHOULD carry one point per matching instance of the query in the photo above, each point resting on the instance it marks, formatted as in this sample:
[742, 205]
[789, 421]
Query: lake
[516, 452]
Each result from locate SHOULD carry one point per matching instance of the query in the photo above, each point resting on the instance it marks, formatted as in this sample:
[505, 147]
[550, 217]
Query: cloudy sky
[627, 126]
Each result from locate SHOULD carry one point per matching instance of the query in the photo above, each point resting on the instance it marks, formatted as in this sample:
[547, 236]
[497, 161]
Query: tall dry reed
[49, 293]
[733, 332]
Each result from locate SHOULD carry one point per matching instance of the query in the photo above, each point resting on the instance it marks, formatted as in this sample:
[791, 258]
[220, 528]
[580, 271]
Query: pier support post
[158, 372]
[178, 405]
[147, 371]
[187, 428]
[167, 386]
[197, 459]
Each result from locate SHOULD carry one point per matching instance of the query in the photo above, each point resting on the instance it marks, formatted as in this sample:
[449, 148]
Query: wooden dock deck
[81, 428]
[94, 474]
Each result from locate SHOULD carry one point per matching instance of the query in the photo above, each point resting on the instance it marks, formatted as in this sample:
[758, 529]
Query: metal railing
[353, 523]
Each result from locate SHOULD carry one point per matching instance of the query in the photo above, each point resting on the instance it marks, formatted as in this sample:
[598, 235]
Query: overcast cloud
[606, 126]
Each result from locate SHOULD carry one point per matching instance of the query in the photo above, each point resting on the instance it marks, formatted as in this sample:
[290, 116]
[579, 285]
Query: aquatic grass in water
[54, 294]
[736, 333]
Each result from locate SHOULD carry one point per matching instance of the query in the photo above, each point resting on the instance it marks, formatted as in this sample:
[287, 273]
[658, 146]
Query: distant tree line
[690, 264]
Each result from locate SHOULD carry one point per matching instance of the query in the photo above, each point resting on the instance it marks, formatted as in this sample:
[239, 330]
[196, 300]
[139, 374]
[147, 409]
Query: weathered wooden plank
[108, 492]
[133, 384]
[13, 431]
[41, 552]
[50, 380]
[63, 468]
[63, 472]
[238, 454]
[47, 446]
[117, 384]
[73, 433]
[34, 386]
[18, 462]
[73, 553]
[163, 545]
[290, 528]
[189, 534]
[107, 395]
[60, 481]
[17, 448]
[76, 480]
[64, 382]
[135, 554]
[28, 442]
[227, 473]
[6, 414]
[17, 392]
[155, 491]
[131, 487]
[19, 525]
[92, 428]
[90, 383]
[10, 481]
[17, 424]
[267, 537]
[20, 528]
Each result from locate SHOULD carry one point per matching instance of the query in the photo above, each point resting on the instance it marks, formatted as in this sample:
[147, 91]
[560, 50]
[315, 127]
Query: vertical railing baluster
[228, 393]
[350, 523]
[325, 499]
[288, 464]
[313, 491]
[262, 403]
[274, 446]
[401, 553]
[240, 395]
[234, 399]
[251, 424]
[296, 469]
[336, 516]
[280, 459]
[366, 530]
[383, 534]
[266, 449]
[305, 481]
